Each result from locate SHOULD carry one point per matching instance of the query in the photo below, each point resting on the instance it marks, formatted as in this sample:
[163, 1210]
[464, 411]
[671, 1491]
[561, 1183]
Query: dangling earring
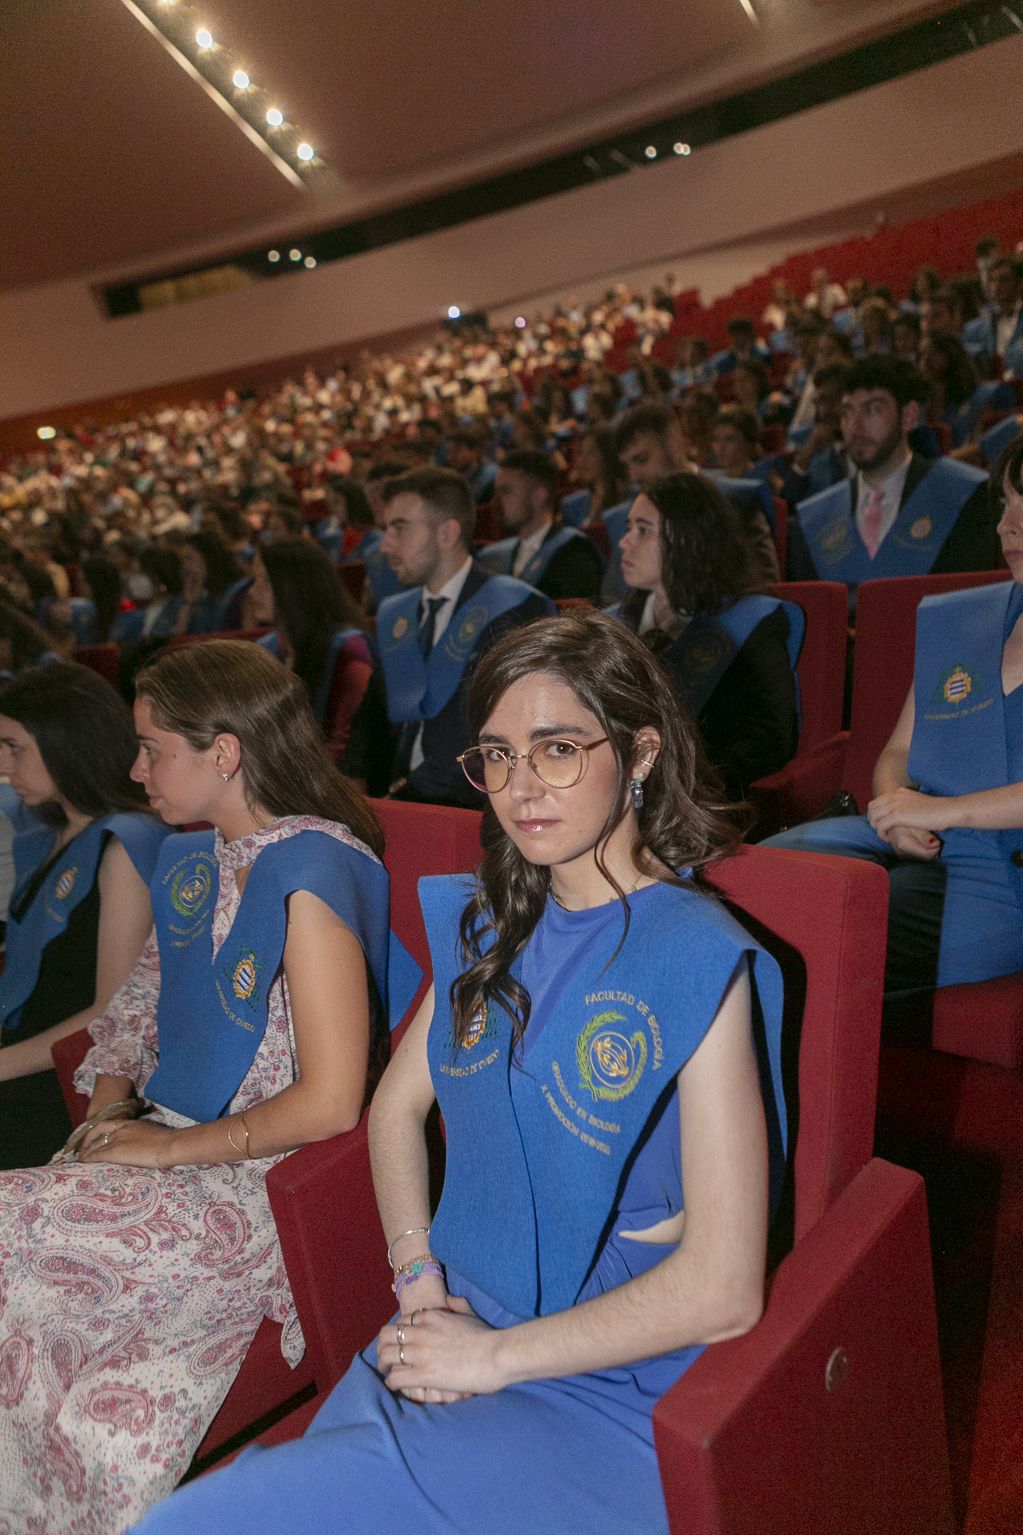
[636, 790]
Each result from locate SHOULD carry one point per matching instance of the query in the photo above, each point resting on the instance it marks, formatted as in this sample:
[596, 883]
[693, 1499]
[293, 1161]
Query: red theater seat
[103, 659]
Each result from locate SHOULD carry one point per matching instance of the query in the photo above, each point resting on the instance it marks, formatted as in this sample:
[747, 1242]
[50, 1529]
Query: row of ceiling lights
[242, 82]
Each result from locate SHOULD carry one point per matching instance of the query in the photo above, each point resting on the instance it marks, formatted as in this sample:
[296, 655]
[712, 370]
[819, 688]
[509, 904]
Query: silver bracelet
[413, 1231]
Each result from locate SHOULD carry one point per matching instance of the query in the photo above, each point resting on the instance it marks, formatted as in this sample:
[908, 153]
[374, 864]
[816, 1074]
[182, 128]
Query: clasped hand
[131, 1142]
[449, 1354]
[908, 821]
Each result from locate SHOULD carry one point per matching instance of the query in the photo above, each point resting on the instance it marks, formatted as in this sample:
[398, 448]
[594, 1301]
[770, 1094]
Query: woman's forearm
[293, 1117]
[30, 1056]
[987, 809]
[891, 771]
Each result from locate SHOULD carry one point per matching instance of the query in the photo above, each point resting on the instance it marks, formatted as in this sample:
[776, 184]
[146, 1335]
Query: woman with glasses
[729, 647]
[589, 1041]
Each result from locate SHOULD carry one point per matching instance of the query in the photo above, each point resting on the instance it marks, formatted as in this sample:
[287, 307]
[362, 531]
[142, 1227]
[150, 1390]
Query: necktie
[870, 529]
[429, 623]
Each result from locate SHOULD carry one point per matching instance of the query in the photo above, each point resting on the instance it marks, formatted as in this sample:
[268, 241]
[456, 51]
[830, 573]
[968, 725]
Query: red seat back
[99, 658]
[423, 839]
[824, 920]
[883, 670]
[821, 666]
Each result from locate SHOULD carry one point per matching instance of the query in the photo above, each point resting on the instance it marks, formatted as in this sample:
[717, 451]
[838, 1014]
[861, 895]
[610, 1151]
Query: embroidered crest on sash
[478, 1028]
[470, 626]
[835, 536]
[610, 1062]
[399, 628]
[706, 653]
[923, 527]
[191, 888]
[956, 686]
[245, 975]
[65, 882]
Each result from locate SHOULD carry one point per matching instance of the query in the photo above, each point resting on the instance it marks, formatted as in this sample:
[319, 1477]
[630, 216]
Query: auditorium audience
[557, 560]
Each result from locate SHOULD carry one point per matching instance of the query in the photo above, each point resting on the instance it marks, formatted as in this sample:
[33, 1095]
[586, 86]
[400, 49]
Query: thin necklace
[559, 902]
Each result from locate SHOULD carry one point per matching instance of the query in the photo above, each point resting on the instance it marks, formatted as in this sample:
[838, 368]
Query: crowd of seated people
[393, 538]
[856, 419]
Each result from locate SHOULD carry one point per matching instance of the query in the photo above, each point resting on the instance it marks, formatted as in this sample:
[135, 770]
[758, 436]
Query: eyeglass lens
[558, 764]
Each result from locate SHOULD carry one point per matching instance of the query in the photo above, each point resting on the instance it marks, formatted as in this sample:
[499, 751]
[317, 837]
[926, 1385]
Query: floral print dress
[128, 1296]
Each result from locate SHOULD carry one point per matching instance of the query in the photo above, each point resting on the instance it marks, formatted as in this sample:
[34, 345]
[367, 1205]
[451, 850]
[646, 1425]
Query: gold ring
[401, 1353]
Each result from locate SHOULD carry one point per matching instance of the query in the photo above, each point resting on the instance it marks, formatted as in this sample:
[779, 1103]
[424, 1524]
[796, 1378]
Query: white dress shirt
[527, 548]
[891, 497]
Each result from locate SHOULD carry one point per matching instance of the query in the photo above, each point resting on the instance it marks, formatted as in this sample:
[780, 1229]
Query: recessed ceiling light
[294, 254]
[305, 151]
[310, 262]
[241, 80]
[650, 152]
[454, 312]
[681, 149]
[273, 255]
[204, 37]
[520, 321]
[274, 117]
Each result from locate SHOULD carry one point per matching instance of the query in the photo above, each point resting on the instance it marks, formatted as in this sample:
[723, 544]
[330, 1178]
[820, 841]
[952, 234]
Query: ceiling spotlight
[274, 117]
[305, 151]
[520, 321]
[204, 37]
[241, 80]
[273, 255]
[454, 312]
[310, 262]
[46, 432]
[650, 152]
[682, 149]
[294, 254]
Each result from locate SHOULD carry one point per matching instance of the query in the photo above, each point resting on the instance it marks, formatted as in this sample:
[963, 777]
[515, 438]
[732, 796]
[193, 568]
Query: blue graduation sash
[340, 637]
[68, 883]
[418, 687]
[500, 557]
[706, 648]
[212, 1013]
[997, 438]
[575, 508]
[532, 1181]
[925, 520]
[742, 493]
[959, 743]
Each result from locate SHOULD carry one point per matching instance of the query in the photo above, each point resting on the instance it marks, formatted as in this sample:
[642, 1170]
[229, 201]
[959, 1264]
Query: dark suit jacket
[576, 570]
[973, 543]
[439, 779]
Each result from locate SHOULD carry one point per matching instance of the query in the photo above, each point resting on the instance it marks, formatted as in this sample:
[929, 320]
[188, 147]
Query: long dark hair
[613, 484]
[309, 603]
[105, 588]
[613, 675]
[28, 640]
[236, 687]
[85, 736]
[222, 569]
[706, 562]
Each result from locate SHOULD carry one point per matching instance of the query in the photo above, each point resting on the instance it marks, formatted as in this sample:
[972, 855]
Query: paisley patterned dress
[128, 1296]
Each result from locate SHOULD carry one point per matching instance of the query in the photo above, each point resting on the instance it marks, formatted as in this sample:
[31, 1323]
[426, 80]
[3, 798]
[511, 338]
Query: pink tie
[870, 530]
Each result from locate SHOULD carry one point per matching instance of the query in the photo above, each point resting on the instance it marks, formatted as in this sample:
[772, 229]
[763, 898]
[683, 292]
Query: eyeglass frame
[511, 758]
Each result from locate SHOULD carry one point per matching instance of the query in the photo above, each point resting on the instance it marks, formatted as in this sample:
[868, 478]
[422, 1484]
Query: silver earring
[636, 790]
[226, 777]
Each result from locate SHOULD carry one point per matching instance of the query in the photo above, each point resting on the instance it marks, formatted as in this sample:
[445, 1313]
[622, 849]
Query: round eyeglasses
[558, 764]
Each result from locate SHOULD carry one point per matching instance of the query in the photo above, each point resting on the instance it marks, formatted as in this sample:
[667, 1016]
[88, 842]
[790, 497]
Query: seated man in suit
[896, 514]
[558, 561]
[819, 460]
[999, 328]
[431, 637]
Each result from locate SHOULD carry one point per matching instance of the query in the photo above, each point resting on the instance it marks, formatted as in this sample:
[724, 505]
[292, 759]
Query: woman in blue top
[589, 1041]
[80, 911]
[729, 650]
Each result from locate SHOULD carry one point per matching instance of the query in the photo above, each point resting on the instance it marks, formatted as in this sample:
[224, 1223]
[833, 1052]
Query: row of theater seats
[983, 1021]
[828, 1414]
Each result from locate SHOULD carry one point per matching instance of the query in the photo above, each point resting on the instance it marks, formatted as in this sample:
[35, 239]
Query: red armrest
[801, 789]
[334, 1250]
[828, 1415]
[68, 1054]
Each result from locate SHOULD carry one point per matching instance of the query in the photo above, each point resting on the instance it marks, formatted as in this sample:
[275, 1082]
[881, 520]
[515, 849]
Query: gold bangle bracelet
[245, 1127]
[231, 1138]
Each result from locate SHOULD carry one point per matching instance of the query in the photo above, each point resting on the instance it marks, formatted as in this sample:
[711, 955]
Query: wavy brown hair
[682, 824]
[232, 686]
[706, 561]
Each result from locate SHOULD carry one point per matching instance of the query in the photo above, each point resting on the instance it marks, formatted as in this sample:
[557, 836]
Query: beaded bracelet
[410, 1272]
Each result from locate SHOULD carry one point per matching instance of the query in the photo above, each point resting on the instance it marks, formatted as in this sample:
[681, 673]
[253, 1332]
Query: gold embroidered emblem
[958, 685]
[610, 1063]
[191, 890]
[244, 976]
[921, 528]
[399, 628]
[834, 536]
[65, 883]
